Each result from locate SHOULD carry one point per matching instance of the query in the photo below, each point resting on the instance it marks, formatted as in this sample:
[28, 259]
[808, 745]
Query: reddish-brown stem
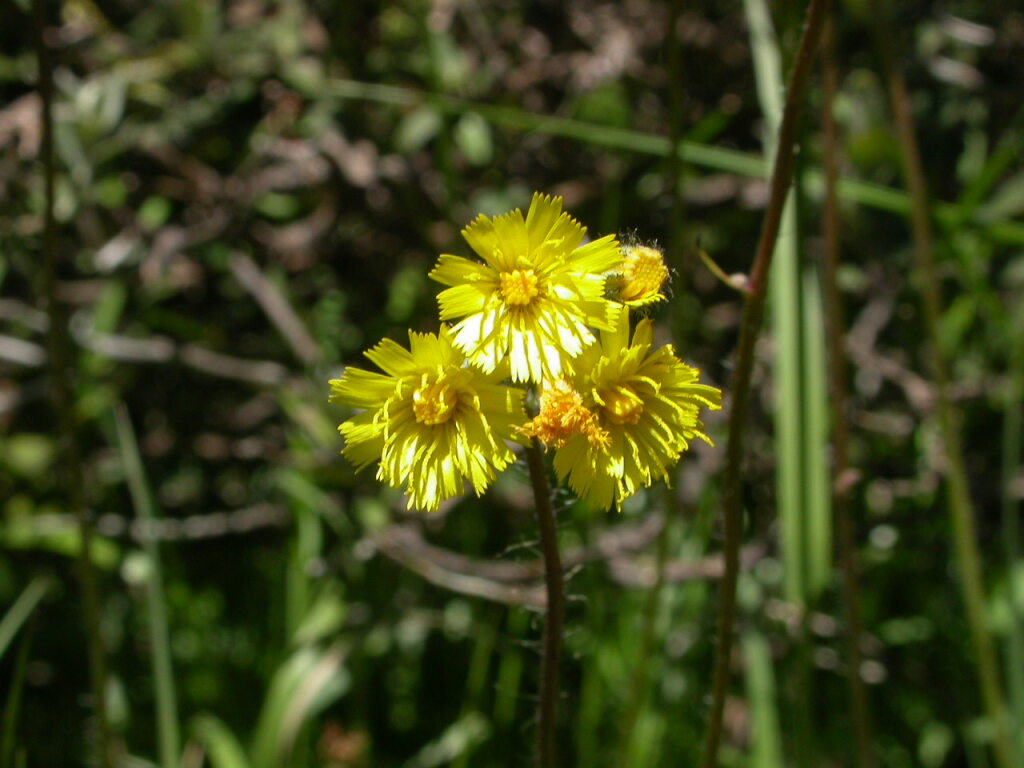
[553, 582]
[750, 327]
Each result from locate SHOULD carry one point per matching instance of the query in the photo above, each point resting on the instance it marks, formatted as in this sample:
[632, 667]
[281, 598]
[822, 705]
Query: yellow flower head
[646, 402]
[640, 277]
[431, 421]
[535, 297]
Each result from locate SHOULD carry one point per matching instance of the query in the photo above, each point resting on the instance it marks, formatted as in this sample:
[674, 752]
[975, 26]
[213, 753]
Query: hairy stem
[553, 582]
[63, 393]
[750, 327]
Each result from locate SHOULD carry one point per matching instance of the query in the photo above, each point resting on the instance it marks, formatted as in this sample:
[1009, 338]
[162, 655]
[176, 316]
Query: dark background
[249, 193]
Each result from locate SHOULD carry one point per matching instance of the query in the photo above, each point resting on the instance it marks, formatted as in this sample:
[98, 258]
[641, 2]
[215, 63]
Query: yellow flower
[646, 403]
[536, 296]
[640, 277]
[431, 421]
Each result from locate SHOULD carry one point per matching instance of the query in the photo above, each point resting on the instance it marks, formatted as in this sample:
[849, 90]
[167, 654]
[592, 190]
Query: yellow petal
[361, 389]
[461, 300]
[392, 358]
[598, 256]
[482, 237]
[453, 270]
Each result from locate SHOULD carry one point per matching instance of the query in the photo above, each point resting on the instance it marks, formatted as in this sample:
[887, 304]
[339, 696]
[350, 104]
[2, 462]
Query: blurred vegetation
[249, 193]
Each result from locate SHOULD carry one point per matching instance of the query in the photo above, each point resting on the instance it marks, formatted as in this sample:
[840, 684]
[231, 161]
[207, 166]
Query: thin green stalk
[765, 736]
[750, 327]
[834, 325]
[801, 430]
[476, 679]
[167, 729]
[1013, 426]
[510, 672]
[784, 296]
[961, 511]
[803, 733]
[63, 393]
[22, 609]
[553, 582]
[12, 707]
[591, 747]
[695, 153]
[642, 665]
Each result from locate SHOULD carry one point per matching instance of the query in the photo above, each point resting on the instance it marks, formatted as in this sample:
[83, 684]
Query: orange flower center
[434, 402]
[562, 415]
[622, 405]
[643, 273]
[519, 287]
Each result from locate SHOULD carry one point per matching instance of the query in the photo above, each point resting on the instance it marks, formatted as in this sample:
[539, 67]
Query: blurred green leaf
[473, 138]
[464, 734]
[27, 454]
[416, 129]
[310, 679]
[110, 192]
[154, 213]
[220, 744]
[607, 104]
[20, 612]
[278, 206]
[325, 616]
[1007, 201]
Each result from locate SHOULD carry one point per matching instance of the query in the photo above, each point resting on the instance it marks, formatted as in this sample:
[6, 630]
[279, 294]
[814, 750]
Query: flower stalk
[554, 584]
[750, 327]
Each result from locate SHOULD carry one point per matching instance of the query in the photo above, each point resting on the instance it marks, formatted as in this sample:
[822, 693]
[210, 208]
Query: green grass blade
[168, 731]
[817, 490]
[784, 297]
[765, 737]
[470, 730]
[308, 680]
[697, 154]
[1013, 428]
[19, 613]
[800, 403]
[784, 303]
[223, 749]
[477, 679]
[12, 708]
[510, 671]
[998, 163]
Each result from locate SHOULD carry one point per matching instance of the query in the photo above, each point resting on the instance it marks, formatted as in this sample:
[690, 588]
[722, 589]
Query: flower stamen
[622, 406]
[562, 415]
[434, 402]
[519, 287]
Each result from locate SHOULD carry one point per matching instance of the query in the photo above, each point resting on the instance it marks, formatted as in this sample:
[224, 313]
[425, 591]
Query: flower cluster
[549, 314]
